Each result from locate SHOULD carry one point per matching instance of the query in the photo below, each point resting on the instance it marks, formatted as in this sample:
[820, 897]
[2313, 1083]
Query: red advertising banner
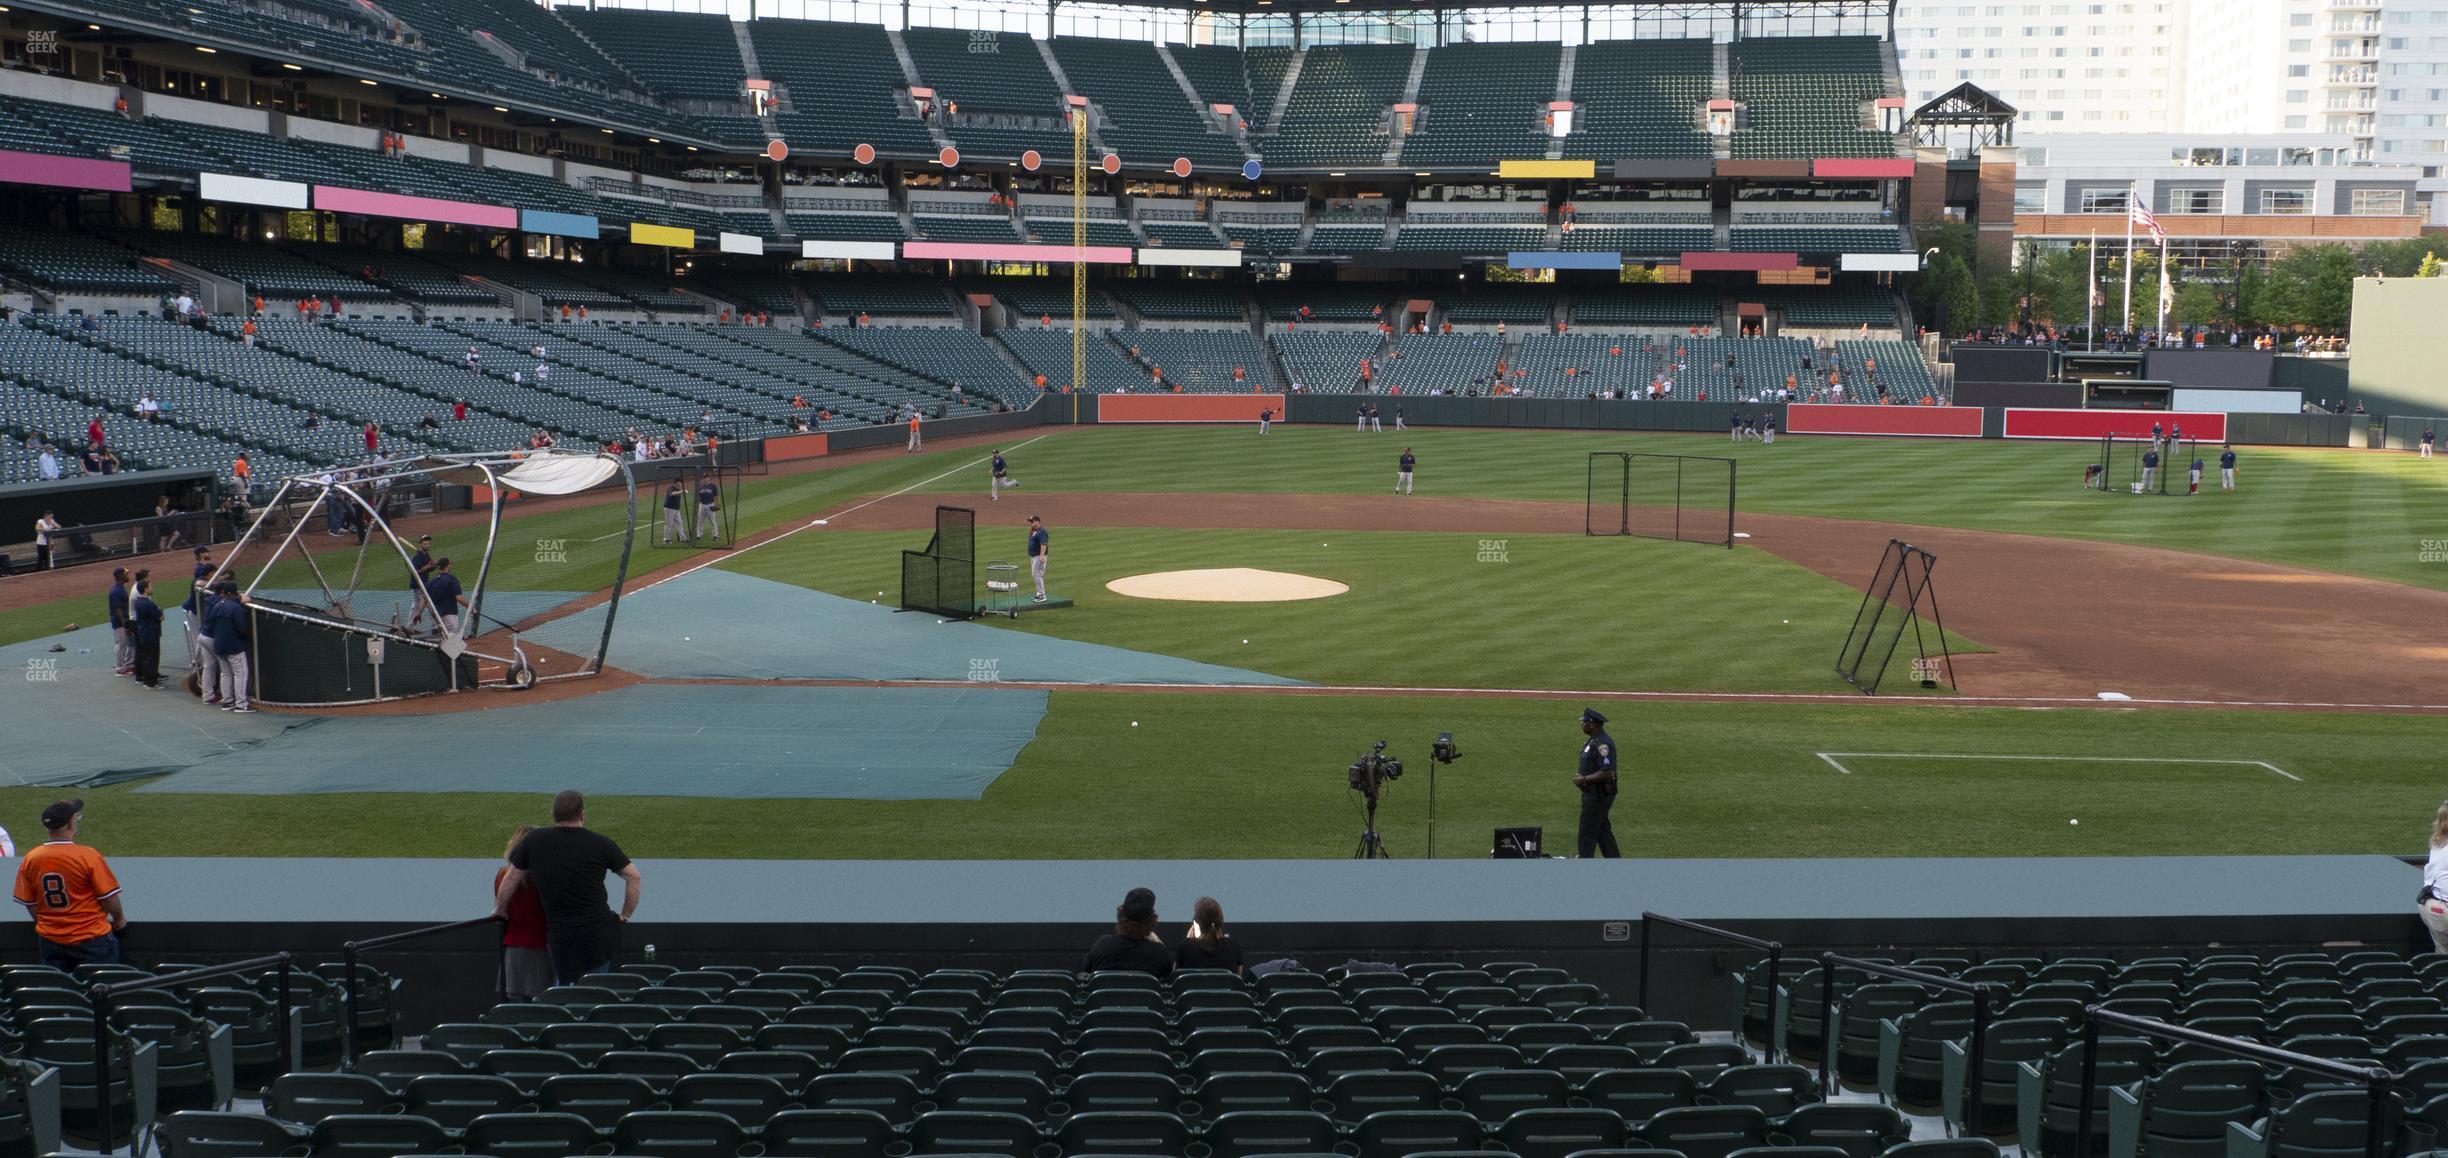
[1890, 421]
[1187, 407]
[2207, 426]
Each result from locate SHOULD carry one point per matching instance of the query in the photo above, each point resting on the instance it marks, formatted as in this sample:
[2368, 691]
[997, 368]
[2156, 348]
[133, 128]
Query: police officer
[1596, 780]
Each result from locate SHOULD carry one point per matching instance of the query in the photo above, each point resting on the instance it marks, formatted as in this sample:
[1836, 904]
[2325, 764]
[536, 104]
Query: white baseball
[2073, 822]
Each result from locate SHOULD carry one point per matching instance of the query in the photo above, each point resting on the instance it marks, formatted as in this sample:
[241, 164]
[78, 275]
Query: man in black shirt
[567, 863]
[1132, 946]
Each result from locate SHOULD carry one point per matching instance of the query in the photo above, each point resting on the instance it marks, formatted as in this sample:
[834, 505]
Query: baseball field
[2271, 656]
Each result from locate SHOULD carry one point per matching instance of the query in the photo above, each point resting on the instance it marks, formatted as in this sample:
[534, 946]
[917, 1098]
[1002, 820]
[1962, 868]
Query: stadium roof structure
[1736, 10]
[581, 108]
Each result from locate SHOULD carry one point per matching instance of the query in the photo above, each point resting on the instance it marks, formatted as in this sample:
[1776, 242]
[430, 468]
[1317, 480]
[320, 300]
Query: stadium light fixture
[204, 49]
[293, 67]
[365, 82]
[606, 132]
[500, 109]
[93, 28]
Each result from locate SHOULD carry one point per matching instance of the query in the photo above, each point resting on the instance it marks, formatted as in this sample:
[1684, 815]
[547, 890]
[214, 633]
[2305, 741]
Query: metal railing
[102, 994]
[1774, 949]
[2379, 1080]
[1974, 1050]
[352, 950]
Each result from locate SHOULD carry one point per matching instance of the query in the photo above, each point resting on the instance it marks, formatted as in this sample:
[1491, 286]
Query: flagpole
[2125, 319]
[2164, 286]
[2091, 297]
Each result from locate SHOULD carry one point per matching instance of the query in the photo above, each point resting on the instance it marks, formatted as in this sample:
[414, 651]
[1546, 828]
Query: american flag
[2143, 217]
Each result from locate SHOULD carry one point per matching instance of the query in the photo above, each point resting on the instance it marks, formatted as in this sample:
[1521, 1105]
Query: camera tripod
[1372, 846]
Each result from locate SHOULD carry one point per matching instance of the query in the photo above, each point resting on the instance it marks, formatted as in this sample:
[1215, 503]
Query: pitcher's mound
[1226, 585]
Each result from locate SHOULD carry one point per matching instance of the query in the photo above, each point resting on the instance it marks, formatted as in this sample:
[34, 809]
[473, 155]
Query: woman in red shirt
[526, 967]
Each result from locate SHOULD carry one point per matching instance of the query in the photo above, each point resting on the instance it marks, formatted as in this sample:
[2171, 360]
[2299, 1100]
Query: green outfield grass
[2357, 512]
[1427, 609]
[1261, 776]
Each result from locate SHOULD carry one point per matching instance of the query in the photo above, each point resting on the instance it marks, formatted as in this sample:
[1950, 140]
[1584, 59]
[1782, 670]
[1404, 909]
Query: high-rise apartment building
[2067, 66]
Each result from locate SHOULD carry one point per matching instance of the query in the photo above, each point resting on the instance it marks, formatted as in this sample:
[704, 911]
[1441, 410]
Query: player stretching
[1402, 472]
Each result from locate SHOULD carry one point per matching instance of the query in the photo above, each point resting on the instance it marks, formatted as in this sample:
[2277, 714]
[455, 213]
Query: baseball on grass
[685, 639]
[2073, 822]
[1134, 723]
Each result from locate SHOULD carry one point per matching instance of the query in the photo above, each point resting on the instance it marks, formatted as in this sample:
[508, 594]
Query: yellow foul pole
[1079, 252]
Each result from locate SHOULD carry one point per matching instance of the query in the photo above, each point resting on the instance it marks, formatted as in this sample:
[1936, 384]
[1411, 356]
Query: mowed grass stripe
[1424, 609]
[1261, 776]
[2356, 512]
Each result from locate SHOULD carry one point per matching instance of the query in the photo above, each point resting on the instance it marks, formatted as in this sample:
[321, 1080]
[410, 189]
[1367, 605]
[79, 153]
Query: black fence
[1974, 1050]
[352, 1002]
[103, 994]
[1652, 922]
[2380, 1082]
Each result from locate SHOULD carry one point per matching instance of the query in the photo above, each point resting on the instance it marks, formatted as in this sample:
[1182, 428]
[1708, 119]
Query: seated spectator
[1207, 945]
[1132, 946]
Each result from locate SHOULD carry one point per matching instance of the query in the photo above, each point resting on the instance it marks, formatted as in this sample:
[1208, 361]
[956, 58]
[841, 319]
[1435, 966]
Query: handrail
[1774, 949]
[101, 995]
[350, 950]
[2378, 1079]
[1975, 1051]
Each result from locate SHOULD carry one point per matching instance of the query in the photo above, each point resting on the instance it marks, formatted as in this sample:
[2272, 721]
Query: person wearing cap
[145, 624]
[1596, 780]
[709, 509]
[675, 520]
[197, 597]
[123, 640]
[421, 565]
[72, 894]
[225, 621]
[1132, 947]
[1040, 551]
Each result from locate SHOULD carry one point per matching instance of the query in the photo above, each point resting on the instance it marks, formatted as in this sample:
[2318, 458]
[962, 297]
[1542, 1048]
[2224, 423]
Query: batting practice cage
[1900, 595]
[330, 572]
[2118, 469]
[943, 578]
[1685, 498]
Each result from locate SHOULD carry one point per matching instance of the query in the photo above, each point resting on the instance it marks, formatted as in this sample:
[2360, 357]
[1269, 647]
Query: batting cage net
[943, 578]
[683, 513]
[2123, 465]
[352, 599]
[1900, 597]
[1686, 498]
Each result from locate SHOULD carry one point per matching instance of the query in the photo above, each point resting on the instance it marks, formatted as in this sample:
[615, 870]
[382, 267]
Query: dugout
[110, 516]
